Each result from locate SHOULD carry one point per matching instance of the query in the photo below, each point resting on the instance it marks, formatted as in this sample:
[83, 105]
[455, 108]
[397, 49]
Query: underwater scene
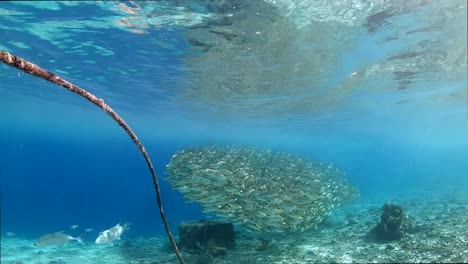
[233, 131]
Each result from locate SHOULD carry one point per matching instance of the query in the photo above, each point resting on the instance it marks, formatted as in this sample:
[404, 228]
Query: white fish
[87, 230]
[55, 239]
[74, 226]
[110, 235]
[10, 234]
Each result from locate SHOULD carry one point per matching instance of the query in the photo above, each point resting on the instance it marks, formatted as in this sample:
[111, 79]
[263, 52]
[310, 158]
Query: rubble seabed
[441, 237]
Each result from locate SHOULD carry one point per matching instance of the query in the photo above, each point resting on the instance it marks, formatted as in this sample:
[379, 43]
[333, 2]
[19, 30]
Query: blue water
[64, 162]
[53, 180]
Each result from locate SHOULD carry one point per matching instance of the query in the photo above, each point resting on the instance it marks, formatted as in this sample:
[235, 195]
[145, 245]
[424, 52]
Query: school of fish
[262, 190]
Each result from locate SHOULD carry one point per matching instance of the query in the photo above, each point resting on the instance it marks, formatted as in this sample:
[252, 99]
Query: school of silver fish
[263, 190]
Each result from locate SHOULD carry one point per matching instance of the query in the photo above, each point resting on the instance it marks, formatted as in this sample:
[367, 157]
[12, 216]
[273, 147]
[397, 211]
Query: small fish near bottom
[112, 234]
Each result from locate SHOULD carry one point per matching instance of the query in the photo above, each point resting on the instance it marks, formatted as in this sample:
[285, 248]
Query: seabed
[440, 236]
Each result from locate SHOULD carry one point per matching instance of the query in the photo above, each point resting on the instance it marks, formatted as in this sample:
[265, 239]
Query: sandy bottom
[441, 236]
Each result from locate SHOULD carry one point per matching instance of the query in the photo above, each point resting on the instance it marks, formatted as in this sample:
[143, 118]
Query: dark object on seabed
[391, 226]
[212, 236]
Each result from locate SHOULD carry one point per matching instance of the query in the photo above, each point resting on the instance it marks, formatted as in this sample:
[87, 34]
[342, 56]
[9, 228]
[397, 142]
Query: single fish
[10, 234]
[55, 239]
[87, 230]
[74, 226]
[112, 234]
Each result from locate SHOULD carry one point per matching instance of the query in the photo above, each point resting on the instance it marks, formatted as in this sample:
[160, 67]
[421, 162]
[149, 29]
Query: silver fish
[55, 239]
[112, 234]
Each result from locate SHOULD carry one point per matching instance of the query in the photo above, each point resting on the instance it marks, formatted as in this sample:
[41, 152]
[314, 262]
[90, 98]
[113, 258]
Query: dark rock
[391, 226]
[214, 237]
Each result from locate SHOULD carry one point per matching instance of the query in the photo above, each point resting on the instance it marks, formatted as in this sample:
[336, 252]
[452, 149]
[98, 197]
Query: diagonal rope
[37, 71]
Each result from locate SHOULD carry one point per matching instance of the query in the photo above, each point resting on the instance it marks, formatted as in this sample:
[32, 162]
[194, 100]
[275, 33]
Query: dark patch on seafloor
[434, 231]
[393, 225]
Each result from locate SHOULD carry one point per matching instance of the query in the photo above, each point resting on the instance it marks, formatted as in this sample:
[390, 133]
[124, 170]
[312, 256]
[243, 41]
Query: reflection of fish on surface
[110, 235]
[55, 239]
